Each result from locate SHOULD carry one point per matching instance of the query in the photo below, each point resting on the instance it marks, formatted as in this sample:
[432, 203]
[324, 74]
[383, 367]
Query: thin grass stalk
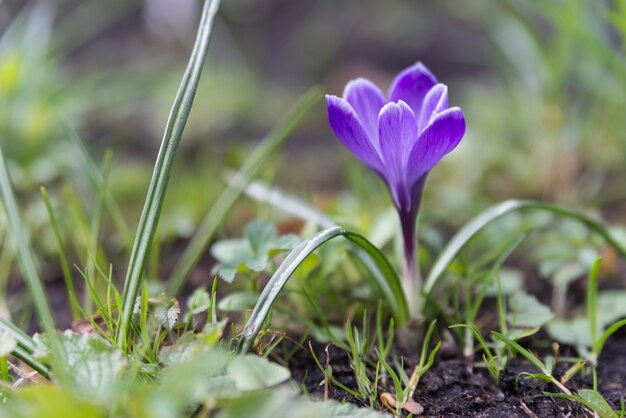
[220, 209]
[158, 184]
[95, 178]
[65, 266]
[25, 257]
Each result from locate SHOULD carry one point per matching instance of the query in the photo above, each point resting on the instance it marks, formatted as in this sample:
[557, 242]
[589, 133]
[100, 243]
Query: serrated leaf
[91, 364]
[199, 301]
[190, 346]
[253, 252]
[166, 312]
[252, 373]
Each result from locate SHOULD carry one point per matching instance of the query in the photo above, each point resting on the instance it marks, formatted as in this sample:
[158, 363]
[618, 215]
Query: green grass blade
[292, 205]
[25, 257]
[220, 209]
[383, 274]
[96, 224]
[394, 296]
[474, 226]
[65, 266]
[599, 344]
[521, 351]
[19, 335]
[24, 348]
[95, 178]
[27, 358]
[158, 184]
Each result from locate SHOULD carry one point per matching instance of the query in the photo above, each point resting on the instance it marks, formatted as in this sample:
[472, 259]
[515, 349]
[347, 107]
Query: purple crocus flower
[401, 137]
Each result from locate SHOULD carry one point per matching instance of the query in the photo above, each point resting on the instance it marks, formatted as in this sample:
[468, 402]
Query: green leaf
[238, 301]
[160, 178]
[253, 252]
[46, 401]
[590, 401]
[527, 311]
[600, 405]
[287, 402]
[252, 373]
[92, 365]
[389, 283]
[470, 229]
[191, 346]
[576, 331]
[167, 313]
[199, 302]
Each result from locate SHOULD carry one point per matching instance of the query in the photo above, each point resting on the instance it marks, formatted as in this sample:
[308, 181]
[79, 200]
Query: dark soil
[454, 387]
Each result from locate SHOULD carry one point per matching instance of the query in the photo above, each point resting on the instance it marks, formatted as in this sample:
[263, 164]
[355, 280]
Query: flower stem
[411, 277]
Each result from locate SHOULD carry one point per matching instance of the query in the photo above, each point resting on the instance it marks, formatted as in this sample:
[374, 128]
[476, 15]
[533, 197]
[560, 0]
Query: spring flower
[401, 137]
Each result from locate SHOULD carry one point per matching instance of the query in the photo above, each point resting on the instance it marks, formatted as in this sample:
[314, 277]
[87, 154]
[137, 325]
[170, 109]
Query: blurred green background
[542, 86]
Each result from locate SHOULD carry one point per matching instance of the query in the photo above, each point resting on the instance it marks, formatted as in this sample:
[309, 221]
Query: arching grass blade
[470, 229]
[391, 287]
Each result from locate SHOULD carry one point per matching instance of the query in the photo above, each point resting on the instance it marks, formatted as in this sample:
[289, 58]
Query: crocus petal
[347, 127]
[436, 101]
[366, 99]
[442, 135]
[411, 86]
[397, 131]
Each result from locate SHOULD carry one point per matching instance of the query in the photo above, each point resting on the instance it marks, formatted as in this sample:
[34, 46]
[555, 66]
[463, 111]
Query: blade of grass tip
[65, 266]
[521, 351]
[291, 263]
[220, 209]
[474, 226]
[292, 205]
[95, 178]
[25, 256]
[158, 184]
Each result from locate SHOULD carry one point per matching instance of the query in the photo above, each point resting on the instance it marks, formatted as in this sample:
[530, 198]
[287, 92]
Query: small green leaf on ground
[190, 346]
[252, 372]
[91, 363]
[527, 311]
[253, 252]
